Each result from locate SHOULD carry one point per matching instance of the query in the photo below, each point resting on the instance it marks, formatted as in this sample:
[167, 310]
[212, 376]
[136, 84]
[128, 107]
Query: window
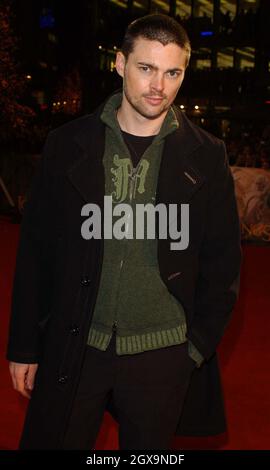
[245, 58]
[250, 5]
[183, 9]
[160, 6]
[203, 8]
[228, 8]
[202, 58]
[120, 3]
[225, 58]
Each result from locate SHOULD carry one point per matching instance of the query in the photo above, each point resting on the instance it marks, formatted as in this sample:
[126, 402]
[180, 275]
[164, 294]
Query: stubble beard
[140, 109]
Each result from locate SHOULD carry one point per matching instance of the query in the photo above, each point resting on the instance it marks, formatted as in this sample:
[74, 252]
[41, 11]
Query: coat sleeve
[219, 264]
[31, 285]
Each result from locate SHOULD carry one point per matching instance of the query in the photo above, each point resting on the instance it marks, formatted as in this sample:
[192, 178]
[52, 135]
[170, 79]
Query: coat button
[74, 330]
[62, 380]
[85, 281]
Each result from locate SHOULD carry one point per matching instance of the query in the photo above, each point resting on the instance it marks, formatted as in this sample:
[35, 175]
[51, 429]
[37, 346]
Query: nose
[157, 83]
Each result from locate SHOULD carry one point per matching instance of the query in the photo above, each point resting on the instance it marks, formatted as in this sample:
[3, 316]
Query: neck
[134, 123]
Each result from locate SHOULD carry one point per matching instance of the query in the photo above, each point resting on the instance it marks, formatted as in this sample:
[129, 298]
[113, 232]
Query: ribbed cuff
[137, 343]
[195, 354]
[149, 341]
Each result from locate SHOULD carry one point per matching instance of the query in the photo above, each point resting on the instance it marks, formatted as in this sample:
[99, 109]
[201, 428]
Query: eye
[144, 68]
[174, 74]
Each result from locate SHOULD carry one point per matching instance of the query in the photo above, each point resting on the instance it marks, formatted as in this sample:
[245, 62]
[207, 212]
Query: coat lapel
[179, 176]
[87, 173]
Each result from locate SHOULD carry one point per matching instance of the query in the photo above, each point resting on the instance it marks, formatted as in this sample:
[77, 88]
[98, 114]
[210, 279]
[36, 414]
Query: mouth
[153, 100]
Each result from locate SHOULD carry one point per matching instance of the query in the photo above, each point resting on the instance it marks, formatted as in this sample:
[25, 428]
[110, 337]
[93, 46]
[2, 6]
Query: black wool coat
[58, 272]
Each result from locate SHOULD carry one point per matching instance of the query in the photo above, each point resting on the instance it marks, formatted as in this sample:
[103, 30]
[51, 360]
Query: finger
[22, 389]
[17, 374]
[20, 376]
[25, 393]
[20, 383]
[17, 370]
[30, 380]
[12, 375]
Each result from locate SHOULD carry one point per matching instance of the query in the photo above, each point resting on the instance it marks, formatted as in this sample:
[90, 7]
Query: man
[117, 322]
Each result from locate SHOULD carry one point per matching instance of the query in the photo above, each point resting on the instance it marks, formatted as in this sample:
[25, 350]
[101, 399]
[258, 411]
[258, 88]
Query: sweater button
[63, 379]
[74, 330]
[85, 281]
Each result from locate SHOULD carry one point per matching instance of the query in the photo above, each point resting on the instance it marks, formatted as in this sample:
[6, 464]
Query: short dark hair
[156, 27]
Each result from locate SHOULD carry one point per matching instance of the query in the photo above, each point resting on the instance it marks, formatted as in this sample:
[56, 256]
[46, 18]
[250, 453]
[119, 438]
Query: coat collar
[179, 177]
[87, 173]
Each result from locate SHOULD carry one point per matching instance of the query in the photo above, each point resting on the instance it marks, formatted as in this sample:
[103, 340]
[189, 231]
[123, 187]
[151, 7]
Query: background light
[206, 33]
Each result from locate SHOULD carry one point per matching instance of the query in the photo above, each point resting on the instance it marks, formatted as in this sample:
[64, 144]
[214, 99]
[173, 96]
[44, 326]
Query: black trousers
[148, 390]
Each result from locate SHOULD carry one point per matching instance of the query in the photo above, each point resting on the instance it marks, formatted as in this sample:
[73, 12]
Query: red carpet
[244, 357]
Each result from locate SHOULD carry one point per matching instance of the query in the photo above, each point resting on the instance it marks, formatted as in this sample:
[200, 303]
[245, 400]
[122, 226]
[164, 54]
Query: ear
[120, 63]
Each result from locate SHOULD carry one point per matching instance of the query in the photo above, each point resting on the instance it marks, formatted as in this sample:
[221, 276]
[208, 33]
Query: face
[152, 76]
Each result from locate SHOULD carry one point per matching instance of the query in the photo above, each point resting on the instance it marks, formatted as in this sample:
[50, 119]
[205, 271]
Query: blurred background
[58, 62]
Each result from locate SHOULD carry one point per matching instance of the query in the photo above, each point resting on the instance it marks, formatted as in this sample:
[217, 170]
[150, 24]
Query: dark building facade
[229, 68]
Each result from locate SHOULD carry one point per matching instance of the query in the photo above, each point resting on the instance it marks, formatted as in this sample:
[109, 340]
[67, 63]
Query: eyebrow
[154, 67]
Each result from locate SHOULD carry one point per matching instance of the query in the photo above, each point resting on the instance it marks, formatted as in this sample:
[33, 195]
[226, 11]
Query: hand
[23, 377]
